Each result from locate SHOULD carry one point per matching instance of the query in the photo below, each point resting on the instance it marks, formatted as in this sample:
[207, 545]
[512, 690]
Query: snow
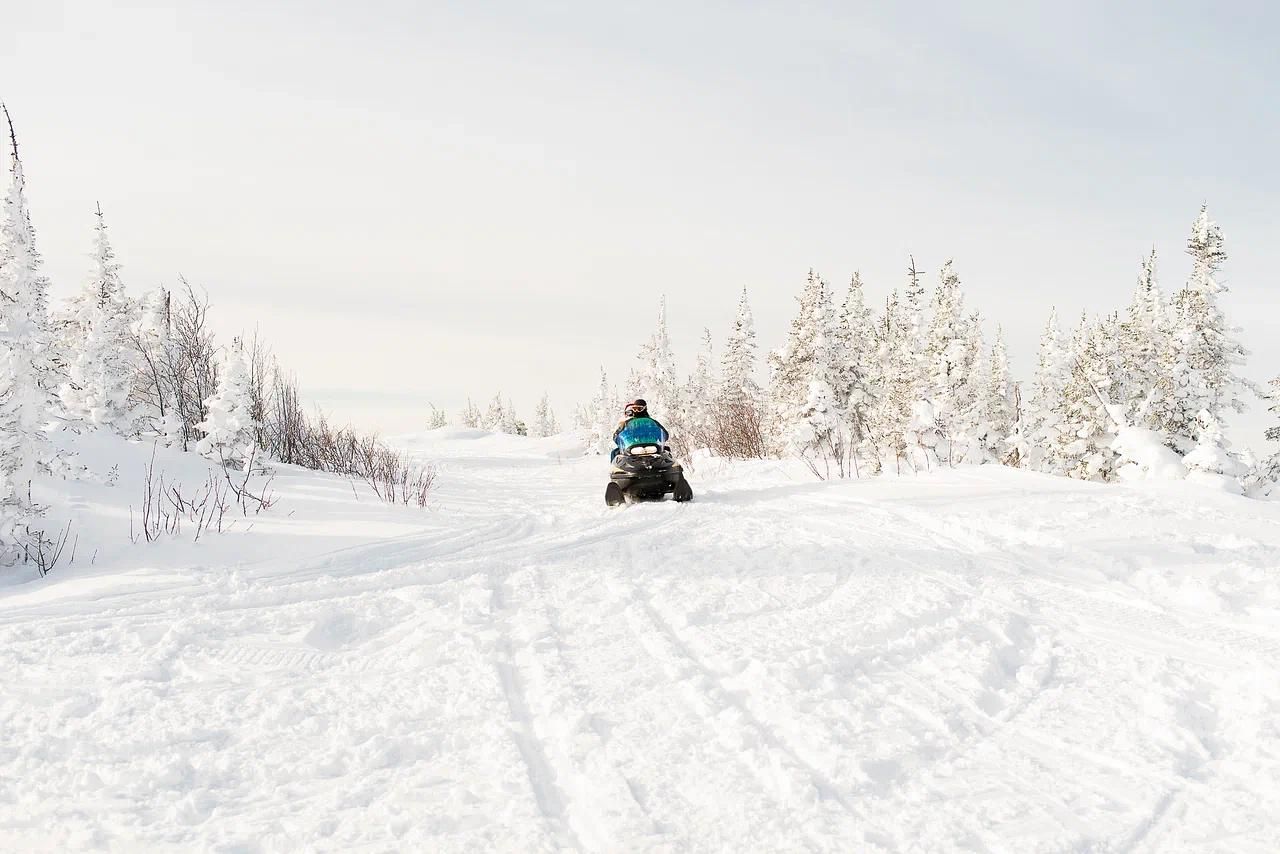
[977, 658]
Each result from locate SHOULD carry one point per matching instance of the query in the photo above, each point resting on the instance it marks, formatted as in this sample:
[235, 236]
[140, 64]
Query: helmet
[635, 407]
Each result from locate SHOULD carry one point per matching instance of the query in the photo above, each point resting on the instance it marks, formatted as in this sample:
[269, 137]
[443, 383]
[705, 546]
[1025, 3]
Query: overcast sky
[417, 201]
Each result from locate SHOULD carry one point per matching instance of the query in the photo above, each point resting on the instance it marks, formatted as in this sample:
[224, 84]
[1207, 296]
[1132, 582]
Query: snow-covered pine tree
[1086, 443]
[913, 314]
[1211, 461]
[1206, 352]
[471, 416]
[857, 375]
[699, 397]
[967, 444]
[805, 374]
[437, 419]
[229, 433]
[28, 371]
[738, 364]
[605, 413]
[495, 416]
[948, 361]
[512, 424]
[101, 369]
[894, 388]
[1141, 385]
[994, 407]
[1265, 479]
[1044, 419]
[544, 420]
[655, 378]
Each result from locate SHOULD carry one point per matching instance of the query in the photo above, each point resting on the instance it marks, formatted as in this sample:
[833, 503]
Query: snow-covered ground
[978, 659]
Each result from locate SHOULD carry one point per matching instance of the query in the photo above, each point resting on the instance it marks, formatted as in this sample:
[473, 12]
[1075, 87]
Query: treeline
[146, 368]
[913, 385]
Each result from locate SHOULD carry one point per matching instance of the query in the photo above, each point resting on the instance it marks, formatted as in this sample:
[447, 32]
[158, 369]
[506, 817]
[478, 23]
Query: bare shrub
[46, 552]
[168, 507]
[178, 368]
[312, 442]
[734, 430]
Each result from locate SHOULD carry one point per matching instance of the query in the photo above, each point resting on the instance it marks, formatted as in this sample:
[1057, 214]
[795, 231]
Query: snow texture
[970, 659]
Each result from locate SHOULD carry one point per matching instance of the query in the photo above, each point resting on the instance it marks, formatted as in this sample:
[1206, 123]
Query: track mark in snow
[776, 763]
[542, 779]
[272, 657]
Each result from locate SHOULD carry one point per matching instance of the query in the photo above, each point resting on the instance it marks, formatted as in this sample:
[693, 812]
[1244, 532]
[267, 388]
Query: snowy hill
[975, 659]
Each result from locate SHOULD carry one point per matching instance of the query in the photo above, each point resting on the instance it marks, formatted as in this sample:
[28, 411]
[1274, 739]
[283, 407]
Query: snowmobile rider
[634, 410]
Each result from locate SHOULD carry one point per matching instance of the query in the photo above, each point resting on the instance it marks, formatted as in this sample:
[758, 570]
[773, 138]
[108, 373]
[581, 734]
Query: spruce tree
[1142, 386]
[1267, 475]
[858, 350]
[1211, 461]
[229, 431]
[893, 384]
[805, 374]
[738, 364]
[1206, 352]
[27, 368]
[1088, 435]
[994, 407]
[544, 420]
[101, 369]
[495, 416]
[1044, 421]
[471, 416]
[948, 360]
[699, 394]
[655, 377]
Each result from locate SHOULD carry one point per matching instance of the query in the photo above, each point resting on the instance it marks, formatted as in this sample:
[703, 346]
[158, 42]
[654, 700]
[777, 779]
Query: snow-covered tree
[1211, 461]
[544, 419]
[902, 422]
[438, 418]
[602, 416]
[894, 389]
[995, 411]
[471, 416]
[101, 369]
[1266, 478]
[511, 423]
[804, 378]
[699, 396]
[1087, 438]
[155, 356]
[1141, 385]
[27, 368]
[655, 378]
[496, 415]
[1206, 352]
[738, 364]
[856, 391]
[1044, 422]
[229, 431]
[949, 358]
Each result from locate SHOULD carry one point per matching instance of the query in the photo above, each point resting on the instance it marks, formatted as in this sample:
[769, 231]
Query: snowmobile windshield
[640, 431]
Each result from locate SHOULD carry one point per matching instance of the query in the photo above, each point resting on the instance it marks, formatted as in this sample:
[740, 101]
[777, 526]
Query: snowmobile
[644, 468]
[646, 473]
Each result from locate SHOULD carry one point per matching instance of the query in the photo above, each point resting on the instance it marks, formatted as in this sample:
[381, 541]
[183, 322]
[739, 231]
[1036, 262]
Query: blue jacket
[638, 430]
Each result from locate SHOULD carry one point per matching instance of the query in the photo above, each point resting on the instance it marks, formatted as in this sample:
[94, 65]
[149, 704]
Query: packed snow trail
[979, 659]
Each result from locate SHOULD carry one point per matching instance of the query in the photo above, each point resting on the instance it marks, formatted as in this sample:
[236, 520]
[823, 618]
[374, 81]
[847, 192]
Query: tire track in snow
[1042, 587]
[542, 778]
[721, 707]
[1101, 619]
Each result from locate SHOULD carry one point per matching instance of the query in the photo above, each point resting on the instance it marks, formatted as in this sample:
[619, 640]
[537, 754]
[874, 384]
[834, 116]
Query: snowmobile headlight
[643, 450]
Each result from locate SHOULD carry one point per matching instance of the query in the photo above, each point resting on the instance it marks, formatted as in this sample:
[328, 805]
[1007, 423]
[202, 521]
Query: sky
[416, 202]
